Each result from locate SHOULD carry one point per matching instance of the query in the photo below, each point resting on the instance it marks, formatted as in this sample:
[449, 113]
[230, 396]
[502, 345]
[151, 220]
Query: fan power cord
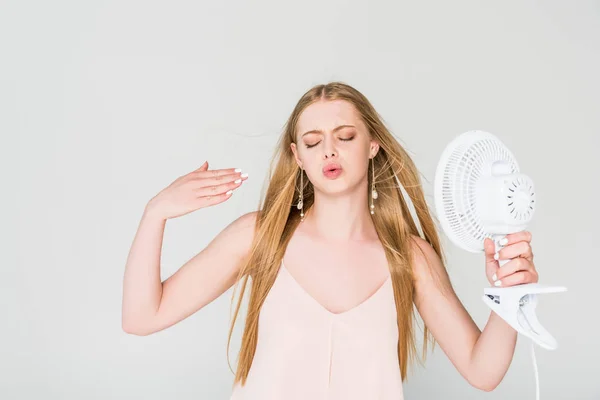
[535, 371]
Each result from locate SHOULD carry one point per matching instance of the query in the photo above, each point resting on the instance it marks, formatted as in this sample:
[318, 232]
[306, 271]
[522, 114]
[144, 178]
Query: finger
[516, 279]
[216, 189]
[491, 273]
[523, 236]
[203, 167]
[219, 180]
[216, 172]
[489, 249]
[210, 200]
[491, 265]
[513, 266]
[522, 249]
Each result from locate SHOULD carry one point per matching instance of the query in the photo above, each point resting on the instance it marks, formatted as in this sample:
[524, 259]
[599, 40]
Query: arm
[150, 305]
[142, 288]
[482, 358]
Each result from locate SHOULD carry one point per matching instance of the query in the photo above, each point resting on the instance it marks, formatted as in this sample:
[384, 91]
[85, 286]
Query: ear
[374, 148]
[295, 151]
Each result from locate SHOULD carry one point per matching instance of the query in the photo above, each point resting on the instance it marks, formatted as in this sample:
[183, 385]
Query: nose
[329, 150]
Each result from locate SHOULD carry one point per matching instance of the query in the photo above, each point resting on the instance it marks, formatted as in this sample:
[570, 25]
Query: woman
[336, 264]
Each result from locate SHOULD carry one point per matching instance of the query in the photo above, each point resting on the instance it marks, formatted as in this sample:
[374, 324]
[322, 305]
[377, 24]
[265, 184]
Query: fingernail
[244, 175]
[497, 283]
[237, 181]
[238, 170]
[229, 192]
[496, 256]
[494, 277]
[503, 241]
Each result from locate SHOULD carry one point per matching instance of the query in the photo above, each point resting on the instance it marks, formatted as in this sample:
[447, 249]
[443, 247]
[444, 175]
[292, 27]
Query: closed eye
[313, 145]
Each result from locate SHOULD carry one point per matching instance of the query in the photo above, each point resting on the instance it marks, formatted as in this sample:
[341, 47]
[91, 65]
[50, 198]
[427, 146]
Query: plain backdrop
[103, 104]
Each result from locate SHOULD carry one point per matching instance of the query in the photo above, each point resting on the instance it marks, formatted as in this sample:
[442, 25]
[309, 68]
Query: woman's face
[331, 132]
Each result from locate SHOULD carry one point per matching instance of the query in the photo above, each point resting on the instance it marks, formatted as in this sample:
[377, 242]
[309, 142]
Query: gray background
[105, 103]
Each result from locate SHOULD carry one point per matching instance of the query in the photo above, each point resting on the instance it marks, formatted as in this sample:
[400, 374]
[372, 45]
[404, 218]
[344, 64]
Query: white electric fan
[480, 193]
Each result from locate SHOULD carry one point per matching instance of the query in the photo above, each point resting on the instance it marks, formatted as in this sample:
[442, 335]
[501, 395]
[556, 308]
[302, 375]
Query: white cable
[535, 370]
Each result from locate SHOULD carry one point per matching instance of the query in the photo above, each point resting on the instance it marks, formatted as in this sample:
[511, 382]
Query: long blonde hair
[278, 217]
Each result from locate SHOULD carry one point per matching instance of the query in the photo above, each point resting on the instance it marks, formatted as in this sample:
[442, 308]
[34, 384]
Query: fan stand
[516, 305]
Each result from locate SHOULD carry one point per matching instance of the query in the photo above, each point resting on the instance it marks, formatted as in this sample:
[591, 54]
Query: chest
[338, 277]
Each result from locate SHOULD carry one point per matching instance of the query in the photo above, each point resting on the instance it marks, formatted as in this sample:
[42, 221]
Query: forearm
[492, 353]
[142, 286]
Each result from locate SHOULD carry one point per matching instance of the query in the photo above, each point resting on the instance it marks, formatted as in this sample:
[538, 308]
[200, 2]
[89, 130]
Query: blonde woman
[335, 262]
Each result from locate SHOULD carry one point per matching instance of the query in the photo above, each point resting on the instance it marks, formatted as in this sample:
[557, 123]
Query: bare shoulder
[422, 252]
[229, 248]
[427, 265]
[238, 234]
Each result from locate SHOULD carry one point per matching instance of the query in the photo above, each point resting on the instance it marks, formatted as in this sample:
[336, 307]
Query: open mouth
[332, 168]
[332, 171]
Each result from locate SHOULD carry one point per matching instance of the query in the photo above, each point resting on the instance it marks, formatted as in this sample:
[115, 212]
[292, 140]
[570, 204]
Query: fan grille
[466, 164]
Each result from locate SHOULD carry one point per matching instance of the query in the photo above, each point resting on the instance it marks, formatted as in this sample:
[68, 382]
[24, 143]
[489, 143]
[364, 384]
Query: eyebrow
[337, 128]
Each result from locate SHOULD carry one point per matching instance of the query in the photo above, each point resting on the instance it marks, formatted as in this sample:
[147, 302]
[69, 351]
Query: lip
[329, 166]
[333, 173]
[330, 173]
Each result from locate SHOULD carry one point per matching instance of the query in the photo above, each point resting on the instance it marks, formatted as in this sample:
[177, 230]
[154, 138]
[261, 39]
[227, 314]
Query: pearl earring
[374, 194]
[300, 197]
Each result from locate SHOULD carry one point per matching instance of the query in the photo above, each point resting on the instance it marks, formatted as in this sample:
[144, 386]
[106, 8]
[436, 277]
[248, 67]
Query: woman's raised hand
[195, 190]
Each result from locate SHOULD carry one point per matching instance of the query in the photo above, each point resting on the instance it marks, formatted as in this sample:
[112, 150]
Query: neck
[341, 217]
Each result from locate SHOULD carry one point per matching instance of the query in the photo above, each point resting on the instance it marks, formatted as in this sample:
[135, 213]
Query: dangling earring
[374, 194]
[300, 197]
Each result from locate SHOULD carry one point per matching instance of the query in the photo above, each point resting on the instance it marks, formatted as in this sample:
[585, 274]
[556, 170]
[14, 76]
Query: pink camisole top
[306, 352]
